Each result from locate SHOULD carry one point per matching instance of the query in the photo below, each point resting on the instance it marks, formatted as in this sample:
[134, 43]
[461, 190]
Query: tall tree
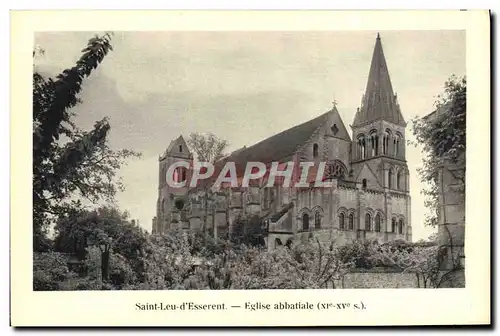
[69, 163]
[442, 136]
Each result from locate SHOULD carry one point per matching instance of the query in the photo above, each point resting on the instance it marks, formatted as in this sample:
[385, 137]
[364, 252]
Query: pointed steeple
[379, 100]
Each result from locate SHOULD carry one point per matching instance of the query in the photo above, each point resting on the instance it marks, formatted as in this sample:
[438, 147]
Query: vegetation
[442, 136]
[69, 164]
[102, 249]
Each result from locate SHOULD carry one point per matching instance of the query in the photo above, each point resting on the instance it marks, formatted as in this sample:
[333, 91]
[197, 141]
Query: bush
[50, 269]
[359, 253]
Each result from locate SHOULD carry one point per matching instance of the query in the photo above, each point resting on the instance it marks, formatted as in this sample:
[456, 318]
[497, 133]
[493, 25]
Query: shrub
[50, 269]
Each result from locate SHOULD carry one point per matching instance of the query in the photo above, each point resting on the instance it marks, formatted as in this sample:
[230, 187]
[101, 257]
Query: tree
[442, 136]
[105, 228]
[208, 147]
[69, 163]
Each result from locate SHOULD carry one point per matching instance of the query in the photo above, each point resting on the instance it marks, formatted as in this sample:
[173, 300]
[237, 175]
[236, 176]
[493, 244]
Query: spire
[379, 101]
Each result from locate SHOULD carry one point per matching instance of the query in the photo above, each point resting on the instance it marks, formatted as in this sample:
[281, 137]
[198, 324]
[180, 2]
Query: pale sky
[244, 87]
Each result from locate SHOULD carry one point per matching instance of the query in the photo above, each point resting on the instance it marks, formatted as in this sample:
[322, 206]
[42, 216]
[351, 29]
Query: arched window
[378, 221]
[364, 184]
[180, 148]
[315, 150]
[398, 180]
[385, 142]
[368, 222]
[341, 221]
[351, 222]
[305, 222]
[397, 144]
[361, 147]
[317, 220]
[400, 227]
[180, 174]
[389, 179]
[374, 143]
[393, 225]
[277, 242]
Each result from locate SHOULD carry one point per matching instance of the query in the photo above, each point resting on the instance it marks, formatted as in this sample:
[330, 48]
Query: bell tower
[379, 127]
[172, 197]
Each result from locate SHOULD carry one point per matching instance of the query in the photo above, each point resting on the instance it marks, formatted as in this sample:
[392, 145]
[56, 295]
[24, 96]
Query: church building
[369, 198]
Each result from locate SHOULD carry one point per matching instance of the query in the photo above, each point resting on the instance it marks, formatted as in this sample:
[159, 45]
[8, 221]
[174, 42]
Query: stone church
[369, 197]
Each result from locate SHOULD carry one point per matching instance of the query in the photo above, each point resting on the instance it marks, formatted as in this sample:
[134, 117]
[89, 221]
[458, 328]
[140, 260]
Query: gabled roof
[379, 101]
[280, 146]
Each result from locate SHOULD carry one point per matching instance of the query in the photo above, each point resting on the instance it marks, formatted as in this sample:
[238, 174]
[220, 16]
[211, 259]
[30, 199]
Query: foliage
[50, 270]
[107, 229]
[167, 260]
[358, 252]
[69, 163]
[208, 147]
[442, 136]
[249, 231]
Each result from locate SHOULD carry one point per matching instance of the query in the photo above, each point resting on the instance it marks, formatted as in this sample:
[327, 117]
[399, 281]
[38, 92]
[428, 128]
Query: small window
[341, 221]
[278, 242]
[351, 222]
[364, 184]
[180, 148]
[398, 180]
[393, 225]
[334, 129]
[315, 150]
[400, 227]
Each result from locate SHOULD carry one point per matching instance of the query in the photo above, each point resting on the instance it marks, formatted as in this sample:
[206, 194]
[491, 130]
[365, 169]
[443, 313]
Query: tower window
[334, 129]
[315, 150]
[398, 180]
[341, 221]
[180, 174]
[361, 147]
[305, 222]
[389, 179]
[385, 142]
[373, 143]
[393, 225]
[364, 184]
[180, 148]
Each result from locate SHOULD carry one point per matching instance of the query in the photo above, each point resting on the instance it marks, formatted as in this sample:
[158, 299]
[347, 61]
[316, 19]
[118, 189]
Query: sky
[244, 87]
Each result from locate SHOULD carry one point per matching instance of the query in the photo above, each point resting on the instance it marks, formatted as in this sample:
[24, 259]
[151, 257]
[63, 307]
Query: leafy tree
[106, 228]
[442, 136]
[69, 163]
[208, 147]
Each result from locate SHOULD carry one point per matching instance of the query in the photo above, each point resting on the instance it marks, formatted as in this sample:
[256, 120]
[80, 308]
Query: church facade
[369, 197]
